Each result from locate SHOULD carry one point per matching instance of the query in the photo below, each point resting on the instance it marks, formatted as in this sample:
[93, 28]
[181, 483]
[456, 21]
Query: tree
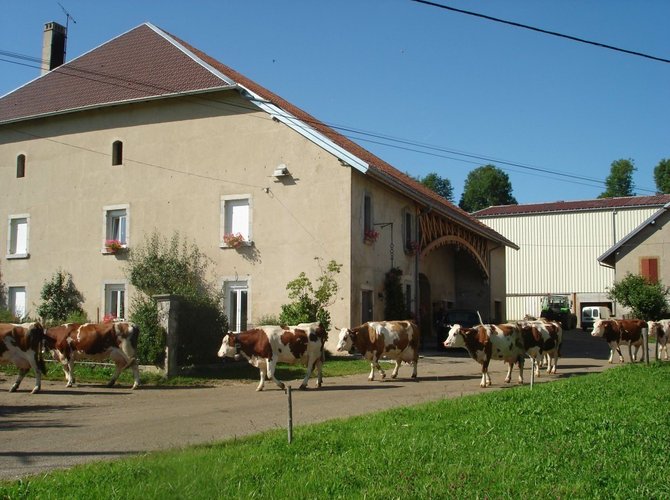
[439, 184]
[310, 302]
[176, 267]
[620, 181]
[60, 299]
[484, 187]
[646, 300]
[662, 176]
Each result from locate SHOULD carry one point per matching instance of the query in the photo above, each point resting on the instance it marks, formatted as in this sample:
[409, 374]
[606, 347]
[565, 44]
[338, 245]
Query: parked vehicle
[464, 317]
[558, 308]
[591, 314]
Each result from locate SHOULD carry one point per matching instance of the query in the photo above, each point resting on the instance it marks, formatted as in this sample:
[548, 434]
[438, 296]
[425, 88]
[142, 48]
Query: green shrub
[77, 317]
[60, 297]
[309, 303]
[646, 300]
[6, 316]
[268, 319]
[175, 267]
[151, 341]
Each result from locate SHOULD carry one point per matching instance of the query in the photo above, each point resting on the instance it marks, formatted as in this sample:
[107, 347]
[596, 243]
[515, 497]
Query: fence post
[167, 317]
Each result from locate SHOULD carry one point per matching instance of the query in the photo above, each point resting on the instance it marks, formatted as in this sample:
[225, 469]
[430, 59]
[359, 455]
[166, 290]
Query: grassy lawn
[598, 436]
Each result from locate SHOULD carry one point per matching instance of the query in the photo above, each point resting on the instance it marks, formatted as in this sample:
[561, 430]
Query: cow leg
[262, 367]
[272, 366]
[310, 368]
[486, 378]
[19, 378]
[520, 363]
[38, 375]
[630, 353]
[508, 377]
[136, 374]
[414, 366]
[398, 362]
[319, 372]
[69, 371]
[371, 377]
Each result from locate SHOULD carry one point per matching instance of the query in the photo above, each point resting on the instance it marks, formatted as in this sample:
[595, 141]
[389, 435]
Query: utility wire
[546, 32]
[426, 149]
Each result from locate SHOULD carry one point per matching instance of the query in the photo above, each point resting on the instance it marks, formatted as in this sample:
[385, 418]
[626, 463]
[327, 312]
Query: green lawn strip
[596, 436]
[225, 370]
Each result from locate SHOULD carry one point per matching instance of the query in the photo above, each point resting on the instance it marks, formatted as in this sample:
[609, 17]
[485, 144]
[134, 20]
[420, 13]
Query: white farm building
[559, 245]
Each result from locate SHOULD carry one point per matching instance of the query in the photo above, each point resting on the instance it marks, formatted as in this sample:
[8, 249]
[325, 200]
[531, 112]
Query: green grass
[598, 436]
[224, 370]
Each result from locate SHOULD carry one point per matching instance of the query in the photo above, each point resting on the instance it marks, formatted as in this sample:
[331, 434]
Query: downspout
[614, 304]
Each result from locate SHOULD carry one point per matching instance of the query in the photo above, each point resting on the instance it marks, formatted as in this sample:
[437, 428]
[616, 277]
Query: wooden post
[645, 338]
[290, 415]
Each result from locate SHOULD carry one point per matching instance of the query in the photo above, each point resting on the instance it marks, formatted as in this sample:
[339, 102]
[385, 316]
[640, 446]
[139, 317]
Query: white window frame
[109, 289]
[11, 299]
[227, 225]
[12, 235]
[237, 286]
[107, 232]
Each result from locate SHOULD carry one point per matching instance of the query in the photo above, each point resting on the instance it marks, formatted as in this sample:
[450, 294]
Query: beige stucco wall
[180, 157]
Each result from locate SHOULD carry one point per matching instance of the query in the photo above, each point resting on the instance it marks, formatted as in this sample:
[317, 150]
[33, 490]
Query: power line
[546, 32]
[347, 131]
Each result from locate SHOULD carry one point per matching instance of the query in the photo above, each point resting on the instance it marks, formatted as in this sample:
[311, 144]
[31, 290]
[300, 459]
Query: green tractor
[558, 308]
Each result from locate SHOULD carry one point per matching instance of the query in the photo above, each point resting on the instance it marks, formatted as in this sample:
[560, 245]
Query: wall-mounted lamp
[281, 171]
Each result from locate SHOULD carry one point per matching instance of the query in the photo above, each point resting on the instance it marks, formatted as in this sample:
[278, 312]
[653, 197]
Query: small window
[235, 221]
[649, 268]
[17, 240]
[20, 166]
[236, 295]
[117, 153]
[16, 300]
[115, 301]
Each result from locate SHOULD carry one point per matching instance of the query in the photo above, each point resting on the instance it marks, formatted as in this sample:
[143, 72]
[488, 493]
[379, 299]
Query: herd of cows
[265, 346]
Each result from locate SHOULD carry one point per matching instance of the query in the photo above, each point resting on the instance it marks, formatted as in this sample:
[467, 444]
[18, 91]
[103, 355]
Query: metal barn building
[559, 245]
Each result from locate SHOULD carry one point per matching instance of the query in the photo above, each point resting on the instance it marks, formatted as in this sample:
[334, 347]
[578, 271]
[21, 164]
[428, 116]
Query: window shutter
[649, 269]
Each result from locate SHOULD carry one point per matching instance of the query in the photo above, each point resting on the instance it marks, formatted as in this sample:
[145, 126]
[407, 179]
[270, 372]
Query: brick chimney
[53, 46]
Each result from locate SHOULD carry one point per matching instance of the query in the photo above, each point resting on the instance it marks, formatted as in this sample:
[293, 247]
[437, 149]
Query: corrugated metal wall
[559, 251]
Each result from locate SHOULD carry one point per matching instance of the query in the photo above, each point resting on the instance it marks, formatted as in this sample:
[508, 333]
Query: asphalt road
[61, 427]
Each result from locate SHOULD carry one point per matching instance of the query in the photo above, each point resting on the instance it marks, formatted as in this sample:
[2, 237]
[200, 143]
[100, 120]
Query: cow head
[346, 340]
[599, 328]
[230, 347]
[455, 338]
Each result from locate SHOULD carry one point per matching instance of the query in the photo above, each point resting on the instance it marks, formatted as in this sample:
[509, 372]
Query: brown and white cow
[265, 346]
[661, 330]
[487, 342]
[22, 345]
[95, 341]
[396, 340]
[617, 332]
[542, 341]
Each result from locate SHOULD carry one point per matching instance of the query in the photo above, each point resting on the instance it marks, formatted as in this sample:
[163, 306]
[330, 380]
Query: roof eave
[119, 103]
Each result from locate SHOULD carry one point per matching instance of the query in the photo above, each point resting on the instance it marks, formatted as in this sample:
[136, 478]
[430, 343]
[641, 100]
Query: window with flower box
[235, 221]
[116, 228]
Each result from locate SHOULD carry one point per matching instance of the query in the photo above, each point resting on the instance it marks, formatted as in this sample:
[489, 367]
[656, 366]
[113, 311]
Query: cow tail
[40, 355]
[134, 335]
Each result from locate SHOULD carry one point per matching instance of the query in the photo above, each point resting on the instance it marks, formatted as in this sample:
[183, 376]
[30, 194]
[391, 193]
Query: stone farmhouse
[571, 248]
[147, 133]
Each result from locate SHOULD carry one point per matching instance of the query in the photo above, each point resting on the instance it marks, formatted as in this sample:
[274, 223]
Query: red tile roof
[148, 63]
[573, 206]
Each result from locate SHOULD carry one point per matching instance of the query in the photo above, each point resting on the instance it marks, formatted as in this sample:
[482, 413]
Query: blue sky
[430, 90]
